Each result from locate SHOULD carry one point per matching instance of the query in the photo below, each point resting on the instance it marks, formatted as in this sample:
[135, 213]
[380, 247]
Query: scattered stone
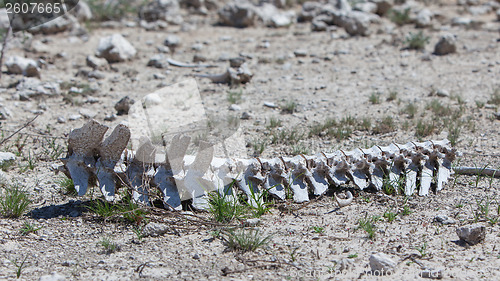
[234, 107]
[382, 264]
[245, 116]
[61, 119]
[424, 18]
[236, 62]
[444, 219]
[199, 58]
[91, 100]
[367, 7]
[172, 41]
[158, 61]
[97, 63]
[24, 66]
[446, 45]
[196, 256]
[87, 113]
[115, 48]
[497, 115]
[6, 158]
[159, 76]
[111, 117]
[442, 93]
[152, 99]
[270, 104]
[4, 178]
[96, 74]
[472, 234]
[60, 24]
[38, 47]
[461, 21]
[154, 229]
[123, 106]
[252, 222]
[237, 14]
[432, 273]
[54, 276]
[300, 53]
[161, 10]
[32, 87]
[82, 11]
[68, 263]
[74, 117]
[310, 9]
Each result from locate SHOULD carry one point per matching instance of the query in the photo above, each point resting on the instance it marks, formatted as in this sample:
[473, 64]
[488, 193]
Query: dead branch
[473, 171]
[17, 131]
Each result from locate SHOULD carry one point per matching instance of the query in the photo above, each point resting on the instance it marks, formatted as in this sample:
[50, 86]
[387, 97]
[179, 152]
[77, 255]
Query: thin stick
[472, 171]
[24, 126]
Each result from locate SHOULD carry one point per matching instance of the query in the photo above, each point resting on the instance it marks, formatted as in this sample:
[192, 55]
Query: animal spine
[179, 177]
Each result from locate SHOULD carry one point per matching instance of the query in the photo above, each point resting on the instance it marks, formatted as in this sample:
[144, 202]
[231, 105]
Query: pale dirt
[335, 80]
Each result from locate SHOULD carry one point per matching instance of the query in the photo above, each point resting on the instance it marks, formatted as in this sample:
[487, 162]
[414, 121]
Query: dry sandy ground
[334, 80]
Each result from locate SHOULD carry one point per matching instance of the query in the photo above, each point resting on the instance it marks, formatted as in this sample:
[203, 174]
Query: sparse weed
[109, 245]
[274, 123]
[424, 129]
[393, 95]
[112, 10]
[422, 250]
[286, 137]
[14, 202]
[386, 125]
[374, 98]
[28, 228]
[406, 211]
[389, 215]
[299, 149]
[67, 185]
[19, 266]
[224, 208]
[246, 240]
[259, 145]
[410, 109]
[368, 225]
[366, 124]
[260, 206]
[495, 97]
[289, 107]
[234, 97]
[480, 104]
[416, 41]
[102, 208]
[400, 17]
[352, 256]
[318, 229]
[138, 232]
[131, 211]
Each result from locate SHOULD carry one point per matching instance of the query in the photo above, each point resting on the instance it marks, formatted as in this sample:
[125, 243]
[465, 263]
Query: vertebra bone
[181, 177]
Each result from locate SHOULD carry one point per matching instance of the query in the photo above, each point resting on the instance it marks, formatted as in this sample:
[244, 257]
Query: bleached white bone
[344, 202]
[416, 165]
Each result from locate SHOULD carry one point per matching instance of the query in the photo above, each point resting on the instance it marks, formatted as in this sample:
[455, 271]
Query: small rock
[61, 119]
[424, 18]
[446, 45]
[270, 104]
[461, 21]
[123, 106]
[472, 234]
[115, 48]
[158, 61]
[20, 65]
[199, 58]
[238, 14]
[382, 264]
[56, 25]
[196, 256]
[152, 99]
[4, 178]
[252, 222]
[444, 219]
[68, 263]
[300, 53]
[7, 157]
[497, 115]
[442, 93]
[88, 113]
[236, 62]
[111, 117]
[154, 229]
[38, 47]
[82, 11]
[159, 76]
[432, 273]
[97, 63]
[74, 214]
[172, 41]
[74, 117]
[367, 7]
[383, 6]
[245, 116]
[234, 107]
[54, 276]
[96, 74]
[91, 99]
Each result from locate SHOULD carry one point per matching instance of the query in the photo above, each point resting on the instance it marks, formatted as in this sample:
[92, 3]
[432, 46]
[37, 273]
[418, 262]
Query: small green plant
[422, 250]
[416, 41]
[406, 210]
[492, 220]
[410, 109]
[352, 256]
[289, 107]
[131, 211]
[28, 228]
[424, 129]
[393, 95]
[112, 10]
[386, 125]
[224, 208]
[374, 98]
[14, 202]
[109, 245]
[259, 145]
[234, 97]
[480, 104]
[400, 17]
[102, 208]
[19, 266]
[318, 229]
[299, 149]
[67, 185]
[246, 240]
[286, 137]
[390, 216]
[259, 206]
[495, 97]
[366, 124]
[368, 225]
[138, 232]
[293, 253]
[274, 123]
